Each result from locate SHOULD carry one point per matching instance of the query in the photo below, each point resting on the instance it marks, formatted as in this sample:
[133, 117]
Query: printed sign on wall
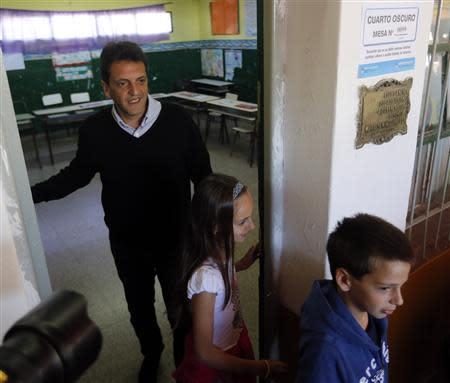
[72, 66]
[388, 40]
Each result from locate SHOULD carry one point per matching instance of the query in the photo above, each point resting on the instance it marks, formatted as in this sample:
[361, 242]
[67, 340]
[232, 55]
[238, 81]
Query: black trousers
[138, 264]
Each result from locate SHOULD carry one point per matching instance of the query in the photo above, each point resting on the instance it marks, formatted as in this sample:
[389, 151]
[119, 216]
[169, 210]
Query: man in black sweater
[147, 154]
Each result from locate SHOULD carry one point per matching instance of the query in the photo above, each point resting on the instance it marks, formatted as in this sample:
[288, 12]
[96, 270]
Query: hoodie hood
[325, 312]
[333, 345]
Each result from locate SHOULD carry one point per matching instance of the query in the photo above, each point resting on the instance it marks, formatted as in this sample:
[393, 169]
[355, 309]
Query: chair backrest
[231, 96]
[76, 98]
[52, 99]
[20, 107]
[182, 84]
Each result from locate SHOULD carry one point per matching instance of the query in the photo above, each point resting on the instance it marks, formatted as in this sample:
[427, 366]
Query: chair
[77, 98]
[53, 119]
[215, 115]
[183, 84]
[26, 127]
[251, 132]
[52, 99]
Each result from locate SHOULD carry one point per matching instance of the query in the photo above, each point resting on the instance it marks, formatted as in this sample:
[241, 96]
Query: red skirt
[193, 371]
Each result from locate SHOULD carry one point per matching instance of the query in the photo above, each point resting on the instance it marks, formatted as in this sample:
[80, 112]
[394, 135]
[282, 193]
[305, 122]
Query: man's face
[378, 293]
[128, 88]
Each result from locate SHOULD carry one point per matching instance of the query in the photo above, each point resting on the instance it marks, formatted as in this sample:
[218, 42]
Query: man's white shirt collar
[153, 110]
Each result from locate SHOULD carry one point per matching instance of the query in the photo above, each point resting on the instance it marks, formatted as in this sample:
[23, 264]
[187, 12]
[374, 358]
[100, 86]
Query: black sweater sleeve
[77, 174]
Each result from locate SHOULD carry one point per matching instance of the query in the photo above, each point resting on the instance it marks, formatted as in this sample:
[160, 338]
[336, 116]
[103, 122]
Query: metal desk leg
[224, 137]
[198, 117]
[36, 149]
[208, 124]
[49, 144]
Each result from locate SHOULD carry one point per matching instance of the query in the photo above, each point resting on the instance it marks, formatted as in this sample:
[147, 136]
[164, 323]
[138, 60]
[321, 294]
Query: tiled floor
[77, 251]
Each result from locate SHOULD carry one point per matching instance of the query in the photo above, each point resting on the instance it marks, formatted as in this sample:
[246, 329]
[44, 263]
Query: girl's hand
[277, 370]
[249, 258]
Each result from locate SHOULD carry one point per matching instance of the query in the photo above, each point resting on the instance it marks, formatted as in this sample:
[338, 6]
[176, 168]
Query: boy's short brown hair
[357, 241]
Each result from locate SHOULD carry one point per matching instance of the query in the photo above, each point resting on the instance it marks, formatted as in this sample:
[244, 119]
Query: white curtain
[43, 32]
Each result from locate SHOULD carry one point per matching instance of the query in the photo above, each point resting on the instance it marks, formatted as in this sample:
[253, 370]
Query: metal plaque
[383, 109]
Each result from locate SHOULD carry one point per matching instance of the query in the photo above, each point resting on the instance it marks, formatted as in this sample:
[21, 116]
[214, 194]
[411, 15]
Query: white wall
[376, 178]
[316, 169]
[23, 272]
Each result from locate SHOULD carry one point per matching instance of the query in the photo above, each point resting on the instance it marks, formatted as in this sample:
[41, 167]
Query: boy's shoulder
[326, 319]
[322, 358]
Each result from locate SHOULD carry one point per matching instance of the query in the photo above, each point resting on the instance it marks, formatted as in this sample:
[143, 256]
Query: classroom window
[40, 32]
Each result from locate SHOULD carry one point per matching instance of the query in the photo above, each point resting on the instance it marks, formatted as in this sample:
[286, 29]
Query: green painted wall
[164, 69]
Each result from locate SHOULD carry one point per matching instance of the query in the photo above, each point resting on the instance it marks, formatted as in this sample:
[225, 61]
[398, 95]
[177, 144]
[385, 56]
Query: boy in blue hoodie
[343, 326]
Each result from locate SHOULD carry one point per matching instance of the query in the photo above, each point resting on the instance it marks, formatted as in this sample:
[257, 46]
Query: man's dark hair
[358, 241]
[120, 51]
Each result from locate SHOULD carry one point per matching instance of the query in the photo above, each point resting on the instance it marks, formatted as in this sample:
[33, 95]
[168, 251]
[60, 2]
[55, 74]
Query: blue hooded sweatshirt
[334, 347]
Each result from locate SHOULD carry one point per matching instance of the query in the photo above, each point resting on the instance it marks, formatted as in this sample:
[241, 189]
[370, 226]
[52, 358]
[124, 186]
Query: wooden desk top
[24, 116]
[72, 108]
[207, 81]
[83, 106]
[196, 97]
[235, 104]
[159, 95]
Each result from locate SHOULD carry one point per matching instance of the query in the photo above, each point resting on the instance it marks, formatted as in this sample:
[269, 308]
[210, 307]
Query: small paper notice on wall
[388, 39]
[75, 58]
[14, 61]
[73, 73]
[233, 59]
[250, 17]
[72, 66]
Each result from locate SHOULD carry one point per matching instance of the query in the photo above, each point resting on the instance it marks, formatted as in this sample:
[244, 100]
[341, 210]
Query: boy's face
[377, 293]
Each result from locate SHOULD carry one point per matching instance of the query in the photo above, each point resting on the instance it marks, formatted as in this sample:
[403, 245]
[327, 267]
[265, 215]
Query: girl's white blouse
[227, 322]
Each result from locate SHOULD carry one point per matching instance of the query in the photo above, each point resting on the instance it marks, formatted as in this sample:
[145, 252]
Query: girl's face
[242, 216]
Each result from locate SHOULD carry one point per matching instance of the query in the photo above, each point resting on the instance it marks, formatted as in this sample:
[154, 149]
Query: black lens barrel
[55, 342]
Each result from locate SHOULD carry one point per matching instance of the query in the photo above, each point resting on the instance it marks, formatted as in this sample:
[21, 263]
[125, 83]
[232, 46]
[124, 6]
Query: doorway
[78, 255]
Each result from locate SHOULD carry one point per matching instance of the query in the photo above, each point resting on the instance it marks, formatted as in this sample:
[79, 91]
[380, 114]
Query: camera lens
[54, 343]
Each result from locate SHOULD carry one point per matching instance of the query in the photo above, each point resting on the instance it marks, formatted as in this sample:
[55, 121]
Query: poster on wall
[72, 66]
[388, 39]
[224, 17]
[212, 62]
[250, 17]
[73, 73]
[13, 61]
[233, 59]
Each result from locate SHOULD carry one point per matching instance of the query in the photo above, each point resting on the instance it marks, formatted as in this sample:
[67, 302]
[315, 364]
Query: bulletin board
[224, 17]
[212, 62]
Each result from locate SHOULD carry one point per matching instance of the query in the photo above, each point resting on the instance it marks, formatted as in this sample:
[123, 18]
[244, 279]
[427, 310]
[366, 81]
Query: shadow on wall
[419, 331]
[245, 84]
[303, 271]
